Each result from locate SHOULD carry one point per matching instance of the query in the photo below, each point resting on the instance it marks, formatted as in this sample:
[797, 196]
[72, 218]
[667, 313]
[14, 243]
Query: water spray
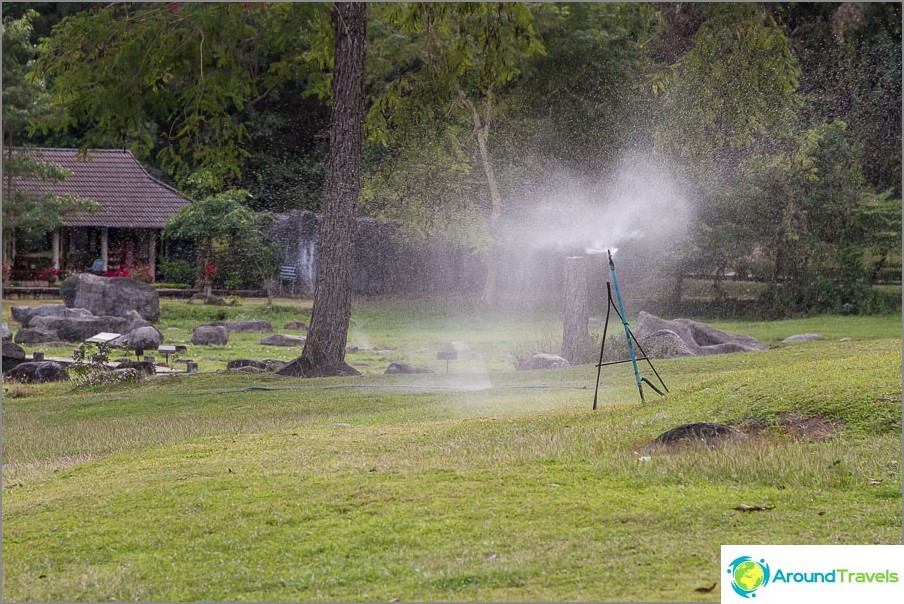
[629, 336]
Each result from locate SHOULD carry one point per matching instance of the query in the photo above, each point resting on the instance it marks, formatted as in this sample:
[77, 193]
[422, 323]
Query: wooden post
[152, 254]
[104, 247]
[576, 335]
[55, 249]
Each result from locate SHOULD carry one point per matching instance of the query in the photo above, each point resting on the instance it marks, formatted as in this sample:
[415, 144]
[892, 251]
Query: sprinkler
[629, 337]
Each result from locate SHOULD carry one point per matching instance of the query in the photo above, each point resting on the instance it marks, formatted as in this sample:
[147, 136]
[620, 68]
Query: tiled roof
[129, 197]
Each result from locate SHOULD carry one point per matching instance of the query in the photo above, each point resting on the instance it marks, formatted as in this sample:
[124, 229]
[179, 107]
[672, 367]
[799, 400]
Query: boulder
[110, 296]
[297, 368]
[77, 329]
[141, 338]
[38, 372]
[7, 334]
[701, 432]
[281, 339]
[802, 337]
[273, 364]
[26, 314]
[400, 368]
[247, 326]
[239, 363]
[13, 354]
[35, 335]
[142, 367]
[257, 326]
[542, 360]
[666, 344]
[699, 339]
[210, 335]
[299, 325]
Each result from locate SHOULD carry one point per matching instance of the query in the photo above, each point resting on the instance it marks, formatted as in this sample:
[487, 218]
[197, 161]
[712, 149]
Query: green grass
[486, 484]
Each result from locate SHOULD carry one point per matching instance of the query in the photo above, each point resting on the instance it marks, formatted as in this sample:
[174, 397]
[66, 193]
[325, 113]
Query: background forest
[760, 141]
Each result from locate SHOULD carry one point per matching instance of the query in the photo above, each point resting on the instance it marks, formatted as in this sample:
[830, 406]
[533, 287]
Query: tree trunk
[575, 335]
[325, 345]
[481, 131]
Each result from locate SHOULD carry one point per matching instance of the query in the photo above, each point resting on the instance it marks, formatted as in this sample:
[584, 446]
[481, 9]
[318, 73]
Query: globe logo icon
[748, 575]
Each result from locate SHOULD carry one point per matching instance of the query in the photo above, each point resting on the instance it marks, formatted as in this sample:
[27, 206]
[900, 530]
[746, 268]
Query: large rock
[13, 354]
[700, 433]
[141, 338]
[26, 314]
[657, 336]
[281, 339]
[142, 367]
[256, 326]
[110, 296]
[400, 368]
[35, 335]
[210, 335]
[542, 360]
[666, 344]
[802, 337]
[299, 368]
[38, 372]
[77, 329]
[7, 334]
[240, 363]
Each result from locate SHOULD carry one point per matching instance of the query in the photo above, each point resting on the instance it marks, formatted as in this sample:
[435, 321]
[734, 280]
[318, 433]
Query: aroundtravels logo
[748, 575]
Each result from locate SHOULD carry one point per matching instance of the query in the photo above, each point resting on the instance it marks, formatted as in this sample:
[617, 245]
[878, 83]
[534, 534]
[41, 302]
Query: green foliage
[194, 71]
[217, 216]
[176, 271]
[736, 84]
[24, 99]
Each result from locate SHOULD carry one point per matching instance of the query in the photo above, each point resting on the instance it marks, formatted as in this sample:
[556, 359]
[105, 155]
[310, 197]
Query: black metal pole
[599, 366]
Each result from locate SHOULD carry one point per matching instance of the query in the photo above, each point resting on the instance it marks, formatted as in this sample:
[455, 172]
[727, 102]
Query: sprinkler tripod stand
[629, 336]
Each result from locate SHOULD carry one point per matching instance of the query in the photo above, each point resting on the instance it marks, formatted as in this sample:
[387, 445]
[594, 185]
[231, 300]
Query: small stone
[340, 425]
[846, 340]
[542, 360]
[402, 368]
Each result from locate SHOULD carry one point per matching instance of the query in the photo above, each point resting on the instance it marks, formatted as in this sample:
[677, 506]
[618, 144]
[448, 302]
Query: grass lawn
[483, 484]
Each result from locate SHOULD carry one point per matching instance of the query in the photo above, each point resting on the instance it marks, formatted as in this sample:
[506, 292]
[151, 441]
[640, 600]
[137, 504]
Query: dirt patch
[808, 428]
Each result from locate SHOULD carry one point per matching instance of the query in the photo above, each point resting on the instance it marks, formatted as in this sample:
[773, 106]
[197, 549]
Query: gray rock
[77, 329]
[702, 433]
[7, 334]
[26, 314]
[351, 349]
[239, 363]
[340, 425]
[699, 339]
[38, 372]
[246, 326]
[299, 325]
[142, 338]
[142, 367]
[35, 335]
[110, 296]
[13, 354]
[542, 360]
[846, 340]
[281, 339]
[210, 335]
[666, 344]
[402, 368]
[802, 337]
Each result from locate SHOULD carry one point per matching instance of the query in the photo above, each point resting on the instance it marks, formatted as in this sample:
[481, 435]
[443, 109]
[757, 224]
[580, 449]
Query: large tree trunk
[325, 345]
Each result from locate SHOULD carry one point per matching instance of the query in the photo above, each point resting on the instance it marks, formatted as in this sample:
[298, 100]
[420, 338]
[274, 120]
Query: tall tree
[325, 345]
[456, 56]
[24, 100]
